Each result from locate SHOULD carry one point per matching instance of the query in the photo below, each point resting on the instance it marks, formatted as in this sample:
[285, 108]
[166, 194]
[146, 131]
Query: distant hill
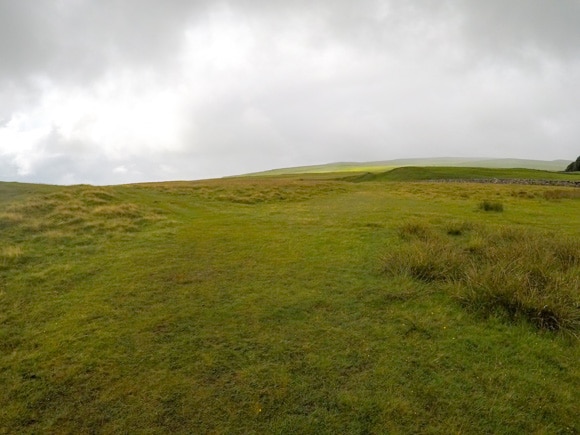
[384, 165]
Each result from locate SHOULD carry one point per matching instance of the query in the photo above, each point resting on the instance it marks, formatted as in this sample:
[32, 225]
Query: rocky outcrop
[574, 166]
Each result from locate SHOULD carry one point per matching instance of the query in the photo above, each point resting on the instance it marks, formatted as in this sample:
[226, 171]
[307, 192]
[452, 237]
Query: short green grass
[269, 306]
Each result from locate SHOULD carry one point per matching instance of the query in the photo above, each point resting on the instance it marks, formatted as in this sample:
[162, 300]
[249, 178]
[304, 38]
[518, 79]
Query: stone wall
[529, 182]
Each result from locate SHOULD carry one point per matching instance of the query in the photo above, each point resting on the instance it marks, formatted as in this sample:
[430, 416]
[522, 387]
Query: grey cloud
[521, 27]
[23, 41]
[308, 82]
[490, 28]
[77, 40]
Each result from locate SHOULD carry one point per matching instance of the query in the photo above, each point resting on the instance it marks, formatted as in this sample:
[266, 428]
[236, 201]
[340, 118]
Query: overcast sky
[115, 91]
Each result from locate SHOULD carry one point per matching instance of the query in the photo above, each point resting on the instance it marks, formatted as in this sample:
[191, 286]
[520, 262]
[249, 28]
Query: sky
[120, 91]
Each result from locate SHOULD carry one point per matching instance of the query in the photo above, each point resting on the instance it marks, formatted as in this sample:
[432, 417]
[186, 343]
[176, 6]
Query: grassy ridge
[460, 173]
[256, 306]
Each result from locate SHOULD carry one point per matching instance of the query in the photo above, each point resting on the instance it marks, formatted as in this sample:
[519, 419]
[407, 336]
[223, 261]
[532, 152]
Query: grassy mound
[72, 211]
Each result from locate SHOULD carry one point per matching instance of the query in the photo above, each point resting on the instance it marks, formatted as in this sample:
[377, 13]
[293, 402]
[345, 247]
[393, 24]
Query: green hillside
[381, 166]
[412, 173]
[290, 305]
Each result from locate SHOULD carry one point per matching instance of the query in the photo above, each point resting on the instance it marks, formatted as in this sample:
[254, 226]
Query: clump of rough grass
[416, 229]
[118, 210]
[252, 191]
[9, 219]
[84, 210]
[491, 206]
[96, 197]
[426, 261]
[458, 228]
[10, 255]
[510, 271]
[562, 194]
[546, 299]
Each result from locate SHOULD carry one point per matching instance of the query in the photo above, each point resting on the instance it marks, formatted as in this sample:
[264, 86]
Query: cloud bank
[112, 92]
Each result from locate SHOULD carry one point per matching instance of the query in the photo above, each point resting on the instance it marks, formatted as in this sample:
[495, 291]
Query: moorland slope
[296, 304]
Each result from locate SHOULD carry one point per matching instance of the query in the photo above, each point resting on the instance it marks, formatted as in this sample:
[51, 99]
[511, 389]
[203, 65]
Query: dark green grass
[491, 206]
[238, 306]
[460, 173]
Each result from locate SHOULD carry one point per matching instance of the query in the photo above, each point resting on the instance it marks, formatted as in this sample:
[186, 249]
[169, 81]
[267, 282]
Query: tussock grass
[525, 194]
[9, 219]
[78, 209]
[427, 260]
[546, 299]
[416, 229]
[251, 191]
[491, 206]
[513, 271]
[557, 194]
[458, 228]
[96, 196]
[10, 255]
[119, 210]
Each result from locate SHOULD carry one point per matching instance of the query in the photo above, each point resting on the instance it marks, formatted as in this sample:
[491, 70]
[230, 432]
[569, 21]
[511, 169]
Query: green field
[291, 304]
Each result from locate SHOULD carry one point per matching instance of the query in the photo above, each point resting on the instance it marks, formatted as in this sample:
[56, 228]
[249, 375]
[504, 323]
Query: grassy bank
[289, 306]
[462, 173]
